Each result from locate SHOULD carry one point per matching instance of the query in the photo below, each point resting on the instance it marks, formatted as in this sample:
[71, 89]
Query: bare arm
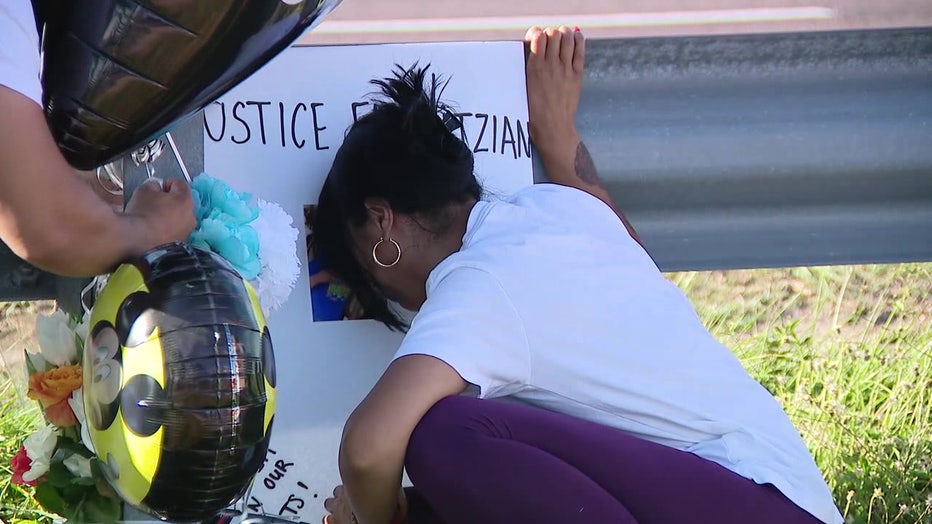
[54, 220]
[376, 435]
[114, 200]
[583, 175]
[554, 76]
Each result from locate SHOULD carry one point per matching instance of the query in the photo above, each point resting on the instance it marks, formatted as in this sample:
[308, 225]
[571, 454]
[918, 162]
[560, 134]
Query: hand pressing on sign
[554, 84]
[341, 513]
[339, 507]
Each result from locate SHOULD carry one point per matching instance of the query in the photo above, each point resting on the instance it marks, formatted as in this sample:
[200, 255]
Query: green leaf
[80, 347]
[73, 494]
[34, 362]
[73, 434]
[60, 454]
[58, 475]
[96, 468]
[69, 444]
[84, 481]
[97, 508]
[50, 499]
[30, 367]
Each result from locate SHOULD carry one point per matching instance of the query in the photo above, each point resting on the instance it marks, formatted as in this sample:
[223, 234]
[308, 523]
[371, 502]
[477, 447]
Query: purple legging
[488, 461]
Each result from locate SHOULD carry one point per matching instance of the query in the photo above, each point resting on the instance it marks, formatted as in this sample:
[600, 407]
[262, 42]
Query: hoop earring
[376, 257]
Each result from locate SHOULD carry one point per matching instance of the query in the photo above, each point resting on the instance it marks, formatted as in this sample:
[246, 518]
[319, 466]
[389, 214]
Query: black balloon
[119, 72]
[179, 383]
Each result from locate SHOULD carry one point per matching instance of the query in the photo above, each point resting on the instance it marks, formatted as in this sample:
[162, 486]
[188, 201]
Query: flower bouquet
[59, 458]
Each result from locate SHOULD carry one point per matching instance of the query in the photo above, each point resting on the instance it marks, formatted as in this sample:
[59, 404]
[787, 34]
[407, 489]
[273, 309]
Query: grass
[846, 350]
[18, 418]
[848, 353]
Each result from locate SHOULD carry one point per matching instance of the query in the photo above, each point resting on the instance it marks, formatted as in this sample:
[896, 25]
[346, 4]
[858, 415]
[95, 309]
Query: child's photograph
[331, 298]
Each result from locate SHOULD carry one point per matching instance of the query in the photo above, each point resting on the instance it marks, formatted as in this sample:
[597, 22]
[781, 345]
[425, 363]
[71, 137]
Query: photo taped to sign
[331, 297]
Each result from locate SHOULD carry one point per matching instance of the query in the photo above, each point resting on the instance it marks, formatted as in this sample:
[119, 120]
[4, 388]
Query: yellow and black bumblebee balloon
[179, 383]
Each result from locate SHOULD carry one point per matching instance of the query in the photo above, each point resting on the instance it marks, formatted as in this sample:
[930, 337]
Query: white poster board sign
[275, 136]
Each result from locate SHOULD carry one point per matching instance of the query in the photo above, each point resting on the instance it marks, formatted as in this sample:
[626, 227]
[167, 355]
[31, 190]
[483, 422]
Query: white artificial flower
[57, 343]
[82, 328]
[78, 466]
[76, 401]
[278, 243]
[39, 448]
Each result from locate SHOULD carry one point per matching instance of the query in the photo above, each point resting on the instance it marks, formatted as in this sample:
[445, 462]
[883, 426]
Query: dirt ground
[17, 332]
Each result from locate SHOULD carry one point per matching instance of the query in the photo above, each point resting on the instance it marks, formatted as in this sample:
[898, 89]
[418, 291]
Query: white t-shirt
[19, 49]
[552, 303]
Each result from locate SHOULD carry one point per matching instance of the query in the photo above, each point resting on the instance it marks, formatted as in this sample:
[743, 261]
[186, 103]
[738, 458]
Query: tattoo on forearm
[585, 168]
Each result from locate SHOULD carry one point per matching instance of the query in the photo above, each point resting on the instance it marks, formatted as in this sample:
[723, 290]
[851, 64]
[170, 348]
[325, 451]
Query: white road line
[609, 20]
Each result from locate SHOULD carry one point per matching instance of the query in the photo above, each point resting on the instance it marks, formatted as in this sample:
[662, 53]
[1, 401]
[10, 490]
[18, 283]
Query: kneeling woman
[551, 373]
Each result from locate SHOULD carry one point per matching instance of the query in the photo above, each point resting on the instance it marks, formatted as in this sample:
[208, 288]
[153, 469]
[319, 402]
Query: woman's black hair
[404, 151]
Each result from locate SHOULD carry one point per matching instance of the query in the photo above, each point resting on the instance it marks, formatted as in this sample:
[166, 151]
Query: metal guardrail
[740, 151]
[20, 281]
[767, 150]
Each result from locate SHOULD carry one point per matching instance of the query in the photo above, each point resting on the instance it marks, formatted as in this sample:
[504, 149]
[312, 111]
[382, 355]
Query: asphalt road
[370, 21]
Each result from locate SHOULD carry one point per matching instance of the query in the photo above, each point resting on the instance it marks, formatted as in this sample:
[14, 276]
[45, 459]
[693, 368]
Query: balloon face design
[179, 380]
[116, 73]
[106, 373]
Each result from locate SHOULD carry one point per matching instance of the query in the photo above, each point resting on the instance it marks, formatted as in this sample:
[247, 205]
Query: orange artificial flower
[53, 386]
[61, 415]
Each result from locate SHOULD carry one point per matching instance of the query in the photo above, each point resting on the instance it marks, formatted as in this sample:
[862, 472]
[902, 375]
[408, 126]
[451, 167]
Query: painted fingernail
[576, 29]
[156, 180]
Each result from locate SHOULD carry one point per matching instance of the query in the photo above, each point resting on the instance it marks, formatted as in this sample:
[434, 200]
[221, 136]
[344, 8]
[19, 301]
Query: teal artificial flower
[211, 194]
[223, 224]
